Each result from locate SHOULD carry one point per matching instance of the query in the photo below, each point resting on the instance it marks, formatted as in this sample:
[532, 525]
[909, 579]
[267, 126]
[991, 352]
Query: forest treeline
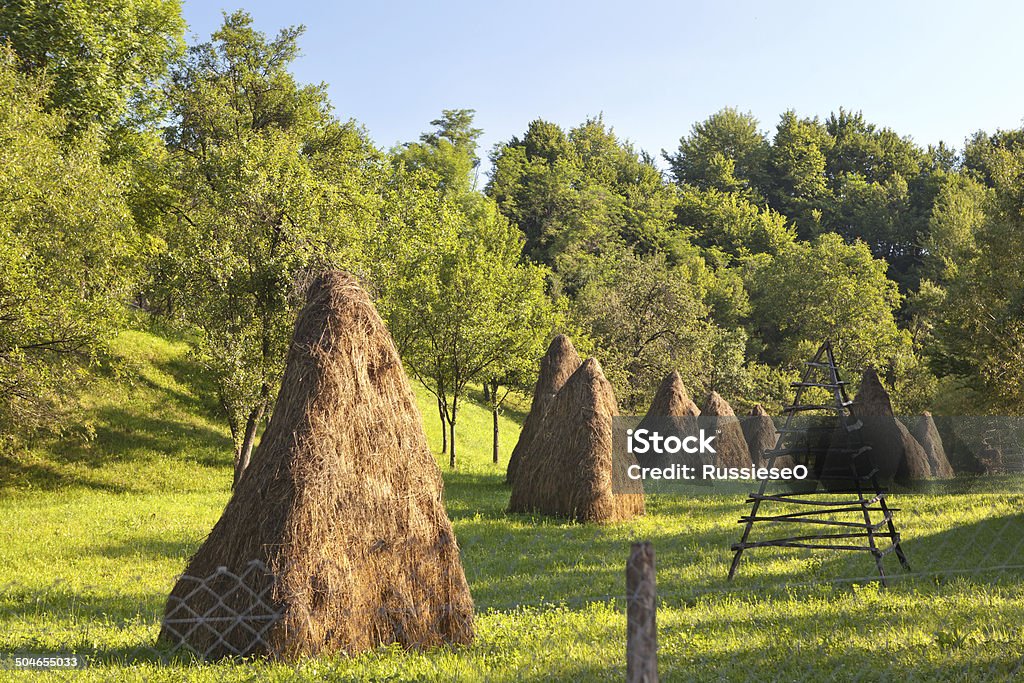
[204, 184]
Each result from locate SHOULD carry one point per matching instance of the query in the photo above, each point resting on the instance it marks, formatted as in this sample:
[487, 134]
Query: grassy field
[97, 524]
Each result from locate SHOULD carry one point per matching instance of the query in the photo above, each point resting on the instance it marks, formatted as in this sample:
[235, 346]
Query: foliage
[267, 187]
[980, 333]
[726, 152]
[579, 193]
[67, 244]
[459, 303]
[103, 56]
[826, 289]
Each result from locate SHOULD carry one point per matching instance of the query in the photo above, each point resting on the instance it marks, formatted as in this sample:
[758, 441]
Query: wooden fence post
[641, 626]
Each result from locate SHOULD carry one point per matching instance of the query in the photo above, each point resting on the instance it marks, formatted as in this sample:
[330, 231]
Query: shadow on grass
[147, 548]
[44, 476]
[128, 436]
[512, 559]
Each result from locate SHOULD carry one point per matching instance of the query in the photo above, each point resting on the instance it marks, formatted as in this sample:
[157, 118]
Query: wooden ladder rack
[862, 496]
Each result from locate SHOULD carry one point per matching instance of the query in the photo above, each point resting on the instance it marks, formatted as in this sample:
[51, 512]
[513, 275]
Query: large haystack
[730, 445]
[894, 450]
[759, 432]
[557, 365]
[342, 501]
[570, 470]
[927, 434]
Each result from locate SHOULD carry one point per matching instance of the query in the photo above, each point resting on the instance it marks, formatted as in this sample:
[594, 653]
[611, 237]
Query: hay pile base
[894, 451]
[731, 445]
[342, 501]
[557, 365]
[570, 472]
[927, 434]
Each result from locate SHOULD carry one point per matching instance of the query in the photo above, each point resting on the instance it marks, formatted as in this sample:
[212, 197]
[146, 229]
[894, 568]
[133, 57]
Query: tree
[269, 187]
[461, 306]
[103, 56]
[826, 289]
[726, 152]
[797, 185]
[727, 222]
[979, 244]
[645, 319]
[449, 151]
[581, 192]
[67, 243]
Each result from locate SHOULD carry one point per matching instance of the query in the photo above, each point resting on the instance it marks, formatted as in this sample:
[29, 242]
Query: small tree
[827, 289]
[646, 319]
[460, 305]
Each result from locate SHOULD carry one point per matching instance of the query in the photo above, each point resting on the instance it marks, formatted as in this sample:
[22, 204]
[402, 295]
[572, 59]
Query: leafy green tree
[826, 289]
[103, 56]
[579, 193]
[461, 306]
[449, 151]
[979, 246]
[645, 320]
[957, 216]
[797, 184]
[727, 222]
[67, 241]
[726, 152]
[268, 187]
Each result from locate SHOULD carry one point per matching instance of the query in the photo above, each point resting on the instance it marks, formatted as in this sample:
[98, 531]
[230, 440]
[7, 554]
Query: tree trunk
[444, 428]
[451, 440]
[494, 414]
[244, 453]
[487, 390]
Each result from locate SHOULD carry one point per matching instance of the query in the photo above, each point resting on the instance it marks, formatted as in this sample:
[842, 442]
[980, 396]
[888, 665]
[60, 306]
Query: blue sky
[931, 70]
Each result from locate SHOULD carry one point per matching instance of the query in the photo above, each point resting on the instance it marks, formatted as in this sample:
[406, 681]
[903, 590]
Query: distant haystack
[672, 399]
[730, 445]
[927, 434]
[894, 450]
[557, 365]
[570, 469]
[759, 433]
[671, 412]
[342, 503]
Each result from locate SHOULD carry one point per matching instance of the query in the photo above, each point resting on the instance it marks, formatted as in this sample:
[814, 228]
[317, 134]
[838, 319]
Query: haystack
[759, 432]
[672, 399]
[557, 365]
[927, 434]
[672, 412]
[894, 450]
[730, 445]
[571, 470]
[342, 502]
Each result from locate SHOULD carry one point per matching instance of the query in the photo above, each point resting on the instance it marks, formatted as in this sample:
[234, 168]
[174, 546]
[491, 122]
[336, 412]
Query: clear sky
[932, 70]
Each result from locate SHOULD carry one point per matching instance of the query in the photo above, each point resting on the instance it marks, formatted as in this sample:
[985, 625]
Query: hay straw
[343, 499]
[731, 445]
[570, 472]
[557, 365]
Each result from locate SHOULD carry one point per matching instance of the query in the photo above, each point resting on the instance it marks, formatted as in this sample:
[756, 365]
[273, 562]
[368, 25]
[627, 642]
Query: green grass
[98, 523]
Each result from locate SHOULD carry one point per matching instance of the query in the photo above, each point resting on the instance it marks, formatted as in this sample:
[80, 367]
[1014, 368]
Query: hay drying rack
[860, 495]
